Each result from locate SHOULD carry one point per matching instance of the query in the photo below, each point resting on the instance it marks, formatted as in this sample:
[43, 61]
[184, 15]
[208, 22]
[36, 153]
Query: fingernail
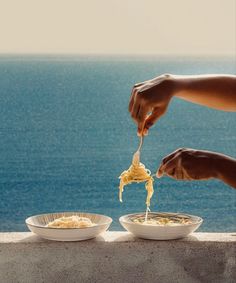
[145, 132]
[159, 174]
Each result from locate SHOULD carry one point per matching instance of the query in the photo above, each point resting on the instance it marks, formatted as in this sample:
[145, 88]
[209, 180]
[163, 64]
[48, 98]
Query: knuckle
[142, 92]
[177, 152]
[163, 161]
[133, 90]
[138, 84]
[137, 97]
[179, 149]
[166, 75]
[139, 94]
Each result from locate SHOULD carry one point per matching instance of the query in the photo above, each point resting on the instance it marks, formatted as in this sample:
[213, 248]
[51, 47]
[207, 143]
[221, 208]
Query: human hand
[190, 164]
[149, 101]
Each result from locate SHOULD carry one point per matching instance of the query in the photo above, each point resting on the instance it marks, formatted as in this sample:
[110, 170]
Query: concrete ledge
[118, 257]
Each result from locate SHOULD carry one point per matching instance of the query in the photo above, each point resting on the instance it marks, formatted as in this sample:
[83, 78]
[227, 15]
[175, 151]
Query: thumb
[153, 118]
[160, 171]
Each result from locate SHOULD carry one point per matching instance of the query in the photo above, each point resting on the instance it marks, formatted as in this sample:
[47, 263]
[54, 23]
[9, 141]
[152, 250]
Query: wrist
[226, 167]
[176, 83]
[216, 162]
[221, 164]
[210, 163]
[172, 84]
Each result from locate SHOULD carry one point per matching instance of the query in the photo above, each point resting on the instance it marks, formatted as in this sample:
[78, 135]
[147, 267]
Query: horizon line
[113, 54]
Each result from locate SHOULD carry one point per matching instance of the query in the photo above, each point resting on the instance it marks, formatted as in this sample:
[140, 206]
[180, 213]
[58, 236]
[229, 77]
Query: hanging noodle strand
[137, 173]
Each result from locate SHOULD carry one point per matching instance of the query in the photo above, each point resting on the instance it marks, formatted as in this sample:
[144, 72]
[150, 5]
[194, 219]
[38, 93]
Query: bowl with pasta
[160, 225]
[68, 226]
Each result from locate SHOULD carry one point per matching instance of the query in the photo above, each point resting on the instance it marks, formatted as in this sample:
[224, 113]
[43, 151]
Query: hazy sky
[171, 27]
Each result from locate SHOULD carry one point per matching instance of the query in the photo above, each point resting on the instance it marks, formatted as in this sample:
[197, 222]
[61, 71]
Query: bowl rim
[108, 222]
[123, 220]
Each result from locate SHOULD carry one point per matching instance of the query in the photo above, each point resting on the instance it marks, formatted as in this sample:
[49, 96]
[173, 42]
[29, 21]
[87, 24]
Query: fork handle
[141, 143]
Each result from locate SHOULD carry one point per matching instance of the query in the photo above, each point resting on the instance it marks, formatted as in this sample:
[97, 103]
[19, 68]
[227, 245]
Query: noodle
[73, 221]
[162, 220]
[137, 173]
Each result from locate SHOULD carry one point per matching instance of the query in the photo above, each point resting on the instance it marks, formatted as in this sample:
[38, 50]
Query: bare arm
[191, 164]
[153, 96]
[215, 91]
[227, 170]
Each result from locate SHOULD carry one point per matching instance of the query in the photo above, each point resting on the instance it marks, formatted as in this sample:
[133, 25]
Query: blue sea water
[66, 135]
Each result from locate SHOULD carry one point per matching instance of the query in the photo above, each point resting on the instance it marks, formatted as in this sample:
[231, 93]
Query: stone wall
[118, 257]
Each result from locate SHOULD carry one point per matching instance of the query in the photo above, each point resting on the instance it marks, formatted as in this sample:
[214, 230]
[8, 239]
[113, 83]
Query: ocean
[66, 135]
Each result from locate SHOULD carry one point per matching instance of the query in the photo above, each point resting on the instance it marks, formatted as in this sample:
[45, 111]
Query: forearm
[215, 91]
[226, 170]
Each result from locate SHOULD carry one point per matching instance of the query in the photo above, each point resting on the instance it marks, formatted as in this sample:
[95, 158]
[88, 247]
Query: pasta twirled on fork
[137, 173]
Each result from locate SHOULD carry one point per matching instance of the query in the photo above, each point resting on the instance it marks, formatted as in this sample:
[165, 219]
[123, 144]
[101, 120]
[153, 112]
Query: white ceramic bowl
[160, 232]
[37, 224]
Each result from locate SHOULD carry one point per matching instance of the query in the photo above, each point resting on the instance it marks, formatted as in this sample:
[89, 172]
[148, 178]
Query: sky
[163, 27]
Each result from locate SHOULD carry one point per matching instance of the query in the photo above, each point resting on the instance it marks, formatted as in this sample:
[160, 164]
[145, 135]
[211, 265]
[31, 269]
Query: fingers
[139, 111]
[141, 116]
[131, 102]
[135, 109]
[171, 155]
[172, 166]
[133, 93]
[140, 106]
[139, 84]
[153, 118]
[150, 96]
[167, 168]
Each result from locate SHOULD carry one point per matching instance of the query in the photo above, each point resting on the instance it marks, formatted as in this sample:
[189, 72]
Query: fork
[136, 156]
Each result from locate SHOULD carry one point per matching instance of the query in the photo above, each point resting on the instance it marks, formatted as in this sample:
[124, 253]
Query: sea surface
[66, 135]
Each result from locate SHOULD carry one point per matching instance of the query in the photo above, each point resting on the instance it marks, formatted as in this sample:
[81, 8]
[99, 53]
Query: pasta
[162, 220]
[73, 221]
[137, 173]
